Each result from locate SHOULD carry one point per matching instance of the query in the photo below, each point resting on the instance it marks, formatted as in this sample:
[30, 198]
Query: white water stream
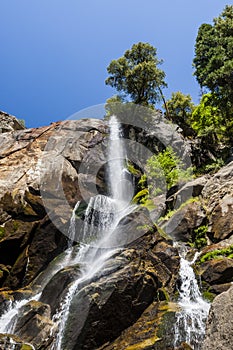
[190, 321]
[101, 219]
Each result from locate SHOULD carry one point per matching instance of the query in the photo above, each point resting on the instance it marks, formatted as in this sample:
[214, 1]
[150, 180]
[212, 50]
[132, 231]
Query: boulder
[9, 123]
[221, 218]
[218, 194]
[184, 221]
[10, 341]
[219, 327]
[152, 331]
[56, 289]
[34, 324]
[183, 193]
[217, 271]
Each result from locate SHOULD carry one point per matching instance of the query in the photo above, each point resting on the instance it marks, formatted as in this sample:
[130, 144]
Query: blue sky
[54, 53]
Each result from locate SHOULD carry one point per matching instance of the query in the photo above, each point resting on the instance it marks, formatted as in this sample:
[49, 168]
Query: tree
[136, 75]
[180, 108]
[207, 119]
[213, 60]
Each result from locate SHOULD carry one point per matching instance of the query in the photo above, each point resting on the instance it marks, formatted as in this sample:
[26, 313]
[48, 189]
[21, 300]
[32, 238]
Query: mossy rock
[26, 347]
[14, 341]
[2, 232]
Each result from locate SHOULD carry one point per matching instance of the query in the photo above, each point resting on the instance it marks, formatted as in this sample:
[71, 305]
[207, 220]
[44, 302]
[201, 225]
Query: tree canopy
[136, 75]
[213, 61]
[207, 120]
[180, 107]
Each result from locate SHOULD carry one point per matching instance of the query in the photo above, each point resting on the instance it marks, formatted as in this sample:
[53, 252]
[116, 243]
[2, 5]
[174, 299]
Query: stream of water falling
[101, 218]
[190, 320]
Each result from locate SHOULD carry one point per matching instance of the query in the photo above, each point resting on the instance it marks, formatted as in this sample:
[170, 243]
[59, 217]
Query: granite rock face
[218, 196]
[219, 332]
[44, 172]
[41, 177]
[9, 123]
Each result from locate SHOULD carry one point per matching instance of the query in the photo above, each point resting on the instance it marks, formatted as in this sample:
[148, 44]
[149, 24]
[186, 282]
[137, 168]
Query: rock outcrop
[9, 123]
[41, 176]
[219, 332]
[130, 303]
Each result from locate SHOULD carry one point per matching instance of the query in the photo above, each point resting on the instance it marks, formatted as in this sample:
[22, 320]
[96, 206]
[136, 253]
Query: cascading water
[101, 218]
[190, 320]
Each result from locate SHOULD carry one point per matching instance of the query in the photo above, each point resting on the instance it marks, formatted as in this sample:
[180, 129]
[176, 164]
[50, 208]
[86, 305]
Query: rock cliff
[130, 305]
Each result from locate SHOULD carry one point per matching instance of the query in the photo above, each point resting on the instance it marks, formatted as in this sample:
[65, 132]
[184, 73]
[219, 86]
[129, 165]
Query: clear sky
[54, 53]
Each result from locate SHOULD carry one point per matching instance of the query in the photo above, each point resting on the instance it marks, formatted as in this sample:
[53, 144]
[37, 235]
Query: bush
[218, 253]
[165, 170]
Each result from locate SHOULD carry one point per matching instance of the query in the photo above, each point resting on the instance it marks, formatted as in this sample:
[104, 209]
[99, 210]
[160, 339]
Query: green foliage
[165, 170]
[199, 238]
[180, 108]
[214, 166]
[208, 296]
[170, 213]
[2, 232]
[136, 74]
[207, 119]
[26, 347]
[218, 253]
[131, 168]
[141, 196]
[213, 60]
[22, 122]
[143, 181]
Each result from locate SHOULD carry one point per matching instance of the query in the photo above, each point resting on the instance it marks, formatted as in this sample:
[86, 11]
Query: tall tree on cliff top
[136, 75]
[213, 60]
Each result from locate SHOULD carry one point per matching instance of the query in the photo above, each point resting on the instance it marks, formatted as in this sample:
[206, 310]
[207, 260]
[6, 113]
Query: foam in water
[190, 321]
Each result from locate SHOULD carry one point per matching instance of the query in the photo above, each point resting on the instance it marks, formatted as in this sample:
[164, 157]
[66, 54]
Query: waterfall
[102, 216]
[71, 231]
[190, 320]
[121, 189]
[9, 318]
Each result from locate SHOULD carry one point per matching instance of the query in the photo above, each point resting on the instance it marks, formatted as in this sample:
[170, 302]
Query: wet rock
[126, 286]
[55, 291]
[219, 329]
[34, 324]
[152, 331]
[10, 341]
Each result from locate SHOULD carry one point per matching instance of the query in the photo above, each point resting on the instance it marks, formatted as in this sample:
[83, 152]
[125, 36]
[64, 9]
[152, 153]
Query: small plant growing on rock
[199, 238]
[218, 253]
